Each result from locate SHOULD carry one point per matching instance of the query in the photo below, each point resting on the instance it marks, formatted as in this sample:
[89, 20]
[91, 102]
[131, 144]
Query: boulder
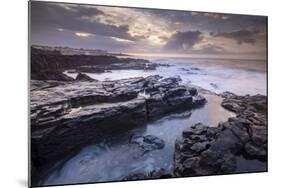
[84, 77]
[192, 91]
[198, 101]
[145, 144]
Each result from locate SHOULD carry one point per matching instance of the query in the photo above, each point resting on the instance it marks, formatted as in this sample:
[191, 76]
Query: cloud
[212, 15]
[122, 40]
[217, 16]
[240, 36]
[72, 18]
[211, 49]
[145, 30]
[82, 34]
[183, 40]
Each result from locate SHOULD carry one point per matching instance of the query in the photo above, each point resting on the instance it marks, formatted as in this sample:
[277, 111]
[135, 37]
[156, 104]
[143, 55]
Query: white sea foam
[238, 76]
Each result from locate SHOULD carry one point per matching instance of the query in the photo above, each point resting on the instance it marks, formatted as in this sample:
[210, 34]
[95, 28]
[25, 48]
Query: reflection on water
[113, 159]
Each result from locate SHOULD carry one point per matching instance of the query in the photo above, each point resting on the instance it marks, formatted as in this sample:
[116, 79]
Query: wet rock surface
[155, 174]
[65, 116]
[145, 144]
[204, 150]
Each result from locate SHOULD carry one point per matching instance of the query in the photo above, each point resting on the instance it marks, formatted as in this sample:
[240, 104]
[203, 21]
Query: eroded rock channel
[66, 116]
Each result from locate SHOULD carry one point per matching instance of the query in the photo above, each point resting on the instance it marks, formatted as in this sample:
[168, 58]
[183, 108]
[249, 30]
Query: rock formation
[203, 150]
[49, 65]
[84, 77]
[65, 116]
[154, 174]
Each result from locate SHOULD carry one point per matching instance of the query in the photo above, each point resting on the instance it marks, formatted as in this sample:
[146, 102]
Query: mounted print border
[127, 93]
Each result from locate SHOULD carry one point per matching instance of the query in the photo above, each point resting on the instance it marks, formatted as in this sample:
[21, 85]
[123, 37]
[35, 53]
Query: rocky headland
[50, 65]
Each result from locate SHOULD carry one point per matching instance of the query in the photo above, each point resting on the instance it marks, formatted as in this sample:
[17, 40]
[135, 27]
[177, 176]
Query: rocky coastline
[76, 113]
[204, 150]
[67, 114]
[50, 65]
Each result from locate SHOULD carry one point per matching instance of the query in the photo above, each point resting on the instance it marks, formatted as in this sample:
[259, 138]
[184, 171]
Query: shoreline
[69, 113]
[200, 91]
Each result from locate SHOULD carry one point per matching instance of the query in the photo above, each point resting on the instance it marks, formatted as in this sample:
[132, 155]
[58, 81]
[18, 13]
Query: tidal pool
[113, 159]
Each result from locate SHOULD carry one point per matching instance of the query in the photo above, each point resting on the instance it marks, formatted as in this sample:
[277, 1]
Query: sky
[149, 31]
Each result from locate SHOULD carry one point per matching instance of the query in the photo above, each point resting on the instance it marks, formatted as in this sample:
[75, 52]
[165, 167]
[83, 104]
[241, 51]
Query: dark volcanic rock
[192, 91]
[49, 65]
[145, 144]
[204, 150]
[69, 115]
[155, 174]
[50, 75]
[199, 100]
[84, 77]
[252, 116]
[59, 135]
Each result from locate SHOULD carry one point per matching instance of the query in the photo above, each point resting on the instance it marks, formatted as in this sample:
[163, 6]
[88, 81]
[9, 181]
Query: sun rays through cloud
[135, 30]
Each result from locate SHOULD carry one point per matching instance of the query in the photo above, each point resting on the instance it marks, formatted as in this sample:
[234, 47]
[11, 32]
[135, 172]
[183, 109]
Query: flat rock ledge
[68, 115]
[204, 150]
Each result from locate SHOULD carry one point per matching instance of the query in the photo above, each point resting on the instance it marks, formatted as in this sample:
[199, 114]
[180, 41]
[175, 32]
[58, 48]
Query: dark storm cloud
[183, 40]
[216, 22]
[240, 36]
[74, 18]
[145, 30]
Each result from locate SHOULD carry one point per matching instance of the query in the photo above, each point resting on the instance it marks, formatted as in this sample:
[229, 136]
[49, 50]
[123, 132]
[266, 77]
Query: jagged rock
[84, 77]
[155, 174]
[145, 144]
[251, 119]
[204, 150]
[193, 142]
[199, 100]
[58, 135]
[192, 91]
